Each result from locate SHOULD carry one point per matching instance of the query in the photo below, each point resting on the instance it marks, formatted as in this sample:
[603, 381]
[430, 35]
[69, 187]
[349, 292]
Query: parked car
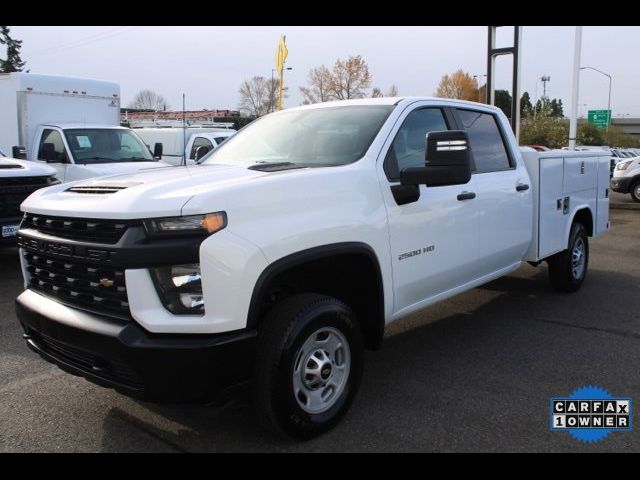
[626, 178]
[72, 124]
[290, 248]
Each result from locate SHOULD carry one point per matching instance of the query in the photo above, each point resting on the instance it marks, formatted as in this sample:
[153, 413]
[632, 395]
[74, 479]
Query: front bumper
[621, 184]
[124, 356]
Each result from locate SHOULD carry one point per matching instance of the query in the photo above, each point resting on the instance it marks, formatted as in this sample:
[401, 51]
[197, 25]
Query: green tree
[13, 62]
[589, 134]
[525, 105]
[503, 101]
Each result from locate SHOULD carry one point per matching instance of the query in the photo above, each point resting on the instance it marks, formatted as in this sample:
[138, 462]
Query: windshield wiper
[274, 166]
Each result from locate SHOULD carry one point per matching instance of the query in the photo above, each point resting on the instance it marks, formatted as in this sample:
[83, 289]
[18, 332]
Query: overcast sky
[209, 63]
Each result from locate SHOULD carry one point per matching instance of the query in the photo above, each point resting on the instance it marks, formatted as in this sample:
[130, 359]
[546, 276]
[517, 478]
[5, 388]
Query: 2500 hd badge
[414, 253]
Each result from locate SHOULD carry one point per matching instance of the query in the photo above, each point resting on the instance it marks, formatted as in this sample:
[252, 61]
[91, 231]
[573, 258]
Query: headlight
[624, 165]
[187, 225]
[179, 288]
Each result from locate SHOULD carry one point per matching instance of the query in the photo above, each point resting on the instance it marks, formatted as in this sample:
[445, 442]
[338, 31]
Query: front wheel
[635, 191]
[308, 365]
[568, 269]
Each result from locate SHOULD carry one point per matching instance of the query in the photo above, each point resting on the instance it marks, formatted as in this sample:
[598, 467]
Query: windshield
[305, 138]
[105, 145]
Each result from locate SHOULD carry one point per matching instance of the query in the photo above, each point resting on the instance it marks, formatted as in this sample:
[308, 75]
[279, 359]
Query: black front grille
[92, 287]
[109, 369]
[92, 230]
[13, 191]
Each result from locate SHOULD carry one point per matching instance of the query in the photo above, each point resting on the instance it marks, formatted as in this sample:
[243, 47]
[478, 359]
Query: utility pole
[575, 84]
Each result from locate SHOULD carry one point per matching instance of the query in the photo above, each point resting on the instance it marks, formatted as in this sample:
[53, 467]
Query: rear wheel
[568, 269]
[635, 191]
[308, 365]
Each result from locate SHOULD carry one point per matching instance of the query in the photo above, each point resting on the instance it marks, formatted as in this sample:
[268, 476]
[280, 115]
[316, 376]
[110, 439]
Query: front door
[433, 239]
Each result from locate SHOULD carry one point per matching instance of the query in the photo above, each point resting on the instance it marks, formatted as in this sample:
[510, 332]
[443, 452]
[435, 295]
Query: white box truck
[71, 124]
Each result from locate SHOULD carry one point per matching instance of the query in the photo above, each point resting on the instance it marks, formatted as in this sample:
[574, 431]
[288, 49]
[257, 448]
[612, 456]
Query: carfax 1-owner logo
[590, 414]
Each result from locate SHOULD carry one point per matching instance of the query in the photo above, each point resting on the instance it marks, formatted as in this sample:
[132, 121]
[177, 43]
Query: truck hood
[150, 193]
[11, 167]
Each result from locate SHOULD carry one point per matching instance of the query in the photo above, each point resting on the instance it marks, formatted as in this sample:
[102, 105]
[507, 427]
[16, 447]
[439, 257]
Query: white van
[191, 143]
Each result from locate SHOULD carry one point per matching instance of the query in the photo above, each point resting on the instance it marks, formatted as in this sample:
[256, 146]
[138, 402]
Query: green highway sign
[599, 118]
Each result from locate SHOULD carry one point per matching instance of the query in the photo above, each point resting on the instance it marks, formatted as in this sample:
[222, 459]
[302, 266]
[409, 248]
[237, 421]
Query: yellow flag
[281, 53]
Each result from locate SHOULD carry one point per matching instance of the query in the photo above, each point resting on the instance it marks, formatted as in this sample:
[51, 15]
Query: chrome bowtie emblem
[106, 282]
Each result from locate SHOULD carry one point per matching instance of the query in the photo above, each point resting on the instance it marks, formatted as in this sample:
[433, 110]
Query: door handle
[466, 196]
[522, 187]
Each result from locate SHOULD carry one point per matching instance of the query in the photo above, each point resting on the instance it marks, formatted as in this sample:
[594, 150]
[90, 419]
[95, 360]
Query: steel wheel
[321, 370]
[578, 258]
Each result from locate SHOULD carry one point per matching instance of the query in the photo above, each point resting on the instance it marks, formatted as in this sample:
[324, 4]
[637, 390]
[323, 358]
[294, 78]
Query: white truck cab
[626, 177]
[70, 123]
[288, 250]
[80, 151]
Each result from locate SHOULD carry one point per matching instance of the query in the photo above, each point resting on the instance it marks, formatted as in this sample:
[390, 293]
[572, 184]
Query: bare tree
[348, 79]
[351, 78]
[259, 96]
[377, 92]
[392, 92]
[320, 80]
[149, 100]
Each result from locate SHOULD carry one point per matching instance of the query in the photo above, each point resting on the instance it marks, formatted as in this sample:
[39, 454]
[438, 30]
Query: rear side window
[487, 144]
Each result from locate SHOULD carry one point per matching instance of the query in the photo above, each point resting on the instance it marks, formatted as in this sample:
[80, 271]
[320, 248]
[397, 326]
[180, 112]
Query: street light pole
[476, 77]
[609, 101]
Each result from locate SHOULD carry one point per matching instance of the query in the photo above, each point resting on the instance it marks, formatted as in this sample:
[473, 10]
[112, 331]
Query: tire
[283, 350]
[635, 191]
[564, 274]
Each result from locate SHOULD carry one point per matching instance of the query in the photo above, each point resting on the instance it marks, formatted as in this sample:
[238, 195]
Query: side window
[487, 144]
[51, 147]
[408, 147]
[200, 142]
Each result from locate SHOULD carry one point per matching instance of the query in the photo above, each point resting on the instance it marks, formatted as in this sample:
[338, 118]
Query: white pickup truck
[18, 180]
[285, 254]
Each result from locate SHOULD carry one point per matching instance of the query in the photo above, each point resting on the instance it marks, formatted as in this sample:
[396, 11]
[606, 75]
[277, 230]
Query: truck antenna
[184, 135]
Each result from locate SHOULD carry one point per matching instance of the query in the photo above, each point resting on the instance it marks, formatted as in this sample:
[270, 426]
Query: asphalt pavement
[474, 373]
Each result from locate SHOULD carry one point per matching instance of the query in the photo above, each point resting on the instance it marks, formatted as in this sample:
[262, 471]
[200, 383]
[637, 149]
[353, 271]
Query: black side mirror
[201, 151]
[157, 151]
[19, 152]
[48, 153]
[447, 161]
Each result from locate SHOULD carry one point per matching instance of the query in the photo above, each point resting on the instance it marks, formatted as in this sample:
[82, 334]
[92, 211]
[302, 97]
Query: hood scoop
[101, 188]
[6, 166]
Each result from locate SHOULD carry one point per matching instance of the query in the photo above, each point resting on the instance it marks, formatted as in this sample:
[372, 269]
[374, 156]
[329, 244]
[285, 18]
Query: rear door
[504, 199]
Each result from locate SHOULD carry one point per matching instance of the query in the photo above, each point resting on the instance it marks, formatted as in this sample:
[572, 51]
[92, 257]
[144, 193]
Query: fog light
[179, 288]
